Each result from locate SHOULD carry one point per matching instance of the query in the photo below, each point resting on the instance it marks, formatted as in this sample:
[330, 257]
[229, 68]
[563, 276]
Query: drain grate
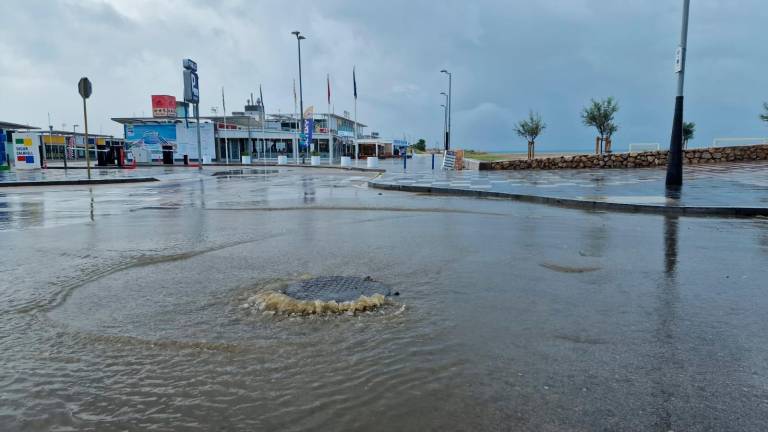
[335, 288]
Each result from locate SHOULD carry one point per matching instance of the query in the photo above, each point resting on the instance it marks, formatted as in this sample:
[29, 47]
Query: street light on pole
[448, 131]
[445, 121]
[675, 159]
[300, 38]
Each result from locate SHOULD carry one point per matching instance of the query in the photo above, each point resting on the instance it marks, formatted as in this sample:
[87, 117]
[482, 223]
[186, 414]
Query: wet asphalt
[121, 310]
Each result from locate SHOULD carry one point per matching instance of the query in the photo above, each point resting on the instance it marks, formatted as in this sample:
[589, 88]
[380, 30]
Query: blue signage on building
[3, 158]
[151, 137]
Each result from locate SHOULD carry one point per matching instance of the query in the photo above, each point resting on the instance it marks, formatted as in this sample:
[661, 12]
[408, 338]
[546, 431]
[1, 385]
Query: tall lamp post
[445, 121]
[448, 132]
[675, 160]
[300, 38]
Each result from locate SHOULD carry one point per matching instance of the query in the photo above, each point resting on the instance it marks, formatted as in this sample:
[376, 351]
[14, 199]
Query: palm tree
[764, 117]
[600, 115]
[530, 129]
[689, 130]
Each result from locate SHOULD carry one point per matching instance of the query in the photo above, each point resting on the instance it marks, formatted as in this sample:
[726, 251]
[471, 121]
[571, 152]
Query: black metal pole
[301, 92]
[675, 159]
[199, 142]
[449, 102]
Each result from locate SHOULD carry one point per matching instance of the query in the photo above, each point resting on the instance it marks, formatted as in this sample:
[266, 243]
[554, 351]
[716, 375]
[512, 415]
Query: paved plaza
[727, 185]
[511, 315]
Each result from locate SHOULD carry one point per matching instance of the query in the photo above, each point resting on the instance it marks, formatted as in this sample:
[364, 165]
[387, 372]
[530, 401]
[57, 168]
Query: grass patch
[485, 156]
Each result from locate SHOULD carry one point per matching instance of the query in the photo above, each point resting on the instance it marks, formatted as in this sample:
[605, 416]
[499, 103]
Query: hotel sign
[163, 106]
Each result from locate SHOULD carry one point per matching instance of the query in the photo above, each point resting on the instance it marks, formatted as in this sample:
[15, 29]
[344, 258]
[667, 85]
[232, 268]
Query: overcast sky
[507, 56]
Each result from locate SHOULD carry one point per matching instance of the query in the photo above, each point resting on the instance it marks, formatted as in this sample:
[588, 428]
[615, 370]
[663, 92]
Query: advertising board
[26, 152]
[163, 106]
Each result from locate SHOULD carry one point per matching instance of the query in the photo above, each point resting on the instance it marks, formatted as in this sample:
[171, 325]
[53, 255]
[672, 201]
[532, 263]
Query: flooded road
[120, 309]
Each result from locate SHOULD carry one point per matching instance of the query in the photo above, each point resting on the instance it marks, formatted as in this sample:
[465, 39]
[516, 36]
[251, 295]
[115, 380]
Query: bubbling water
[279, 303]
[326, 295]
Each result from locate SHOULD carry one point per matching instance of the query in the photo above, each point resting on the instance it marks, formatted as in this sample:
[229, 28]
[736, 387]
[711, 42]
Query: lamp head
[444, 71]
[296, 33]
[301, 38]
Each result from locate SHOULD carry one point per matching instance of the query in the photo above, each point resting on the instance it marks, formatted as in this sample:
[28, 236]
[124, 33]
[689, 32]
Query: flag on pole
[328, 81]
[354, 81]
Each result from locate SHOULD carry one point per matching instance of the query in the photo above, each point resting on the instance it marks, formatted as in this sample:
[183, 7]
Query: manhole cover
[336, 288]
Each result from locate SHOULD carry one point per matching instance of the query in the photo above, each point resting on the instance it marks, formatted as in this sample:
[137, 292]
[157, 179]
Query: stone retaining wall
[634, 160]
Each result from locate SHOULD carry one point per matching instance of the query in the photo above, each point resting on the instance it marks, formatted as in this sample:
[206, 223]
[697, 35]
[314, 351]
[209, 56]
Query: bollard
[405, 161]
[433, 161]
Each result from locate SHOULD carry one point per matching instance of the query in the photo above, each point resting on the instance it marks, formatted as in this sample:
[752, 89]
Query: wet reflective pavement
[121, 309]
[735, 184]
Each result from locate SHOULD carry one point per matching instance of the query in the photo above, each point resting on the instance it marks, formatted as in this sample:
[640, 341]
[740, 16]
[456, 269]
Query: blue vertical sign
[3, 160]
[309, 127]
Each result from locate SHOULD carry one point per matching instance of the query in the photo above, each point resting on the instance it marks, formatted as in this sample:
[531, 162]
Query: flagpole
[328, 125]
[224, 107]
[354, 87]
[263, 118]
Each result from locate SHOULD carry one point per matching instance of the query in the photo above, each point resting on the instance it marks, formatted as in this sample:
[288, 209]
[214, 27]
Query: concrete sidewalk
[732, 189]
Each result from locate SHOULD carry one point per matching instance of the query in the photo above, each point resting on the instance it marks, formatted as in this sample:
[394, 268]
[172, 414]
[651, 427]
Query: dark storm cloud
[507, 57]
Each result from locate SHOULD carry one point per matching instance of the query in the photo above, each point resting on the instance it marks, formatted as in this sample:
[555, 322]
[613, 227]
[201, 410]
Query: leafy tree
[530, 129]
[764, 117]
[689, 130]
[600, 115]
[420, 145]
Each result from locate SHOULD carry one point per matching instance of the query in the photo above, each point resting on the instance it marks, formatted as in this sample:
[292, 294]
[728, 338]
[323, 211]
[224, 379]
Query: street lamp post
[445, 121]
[448, 132]
[300, 38]
[675, 160]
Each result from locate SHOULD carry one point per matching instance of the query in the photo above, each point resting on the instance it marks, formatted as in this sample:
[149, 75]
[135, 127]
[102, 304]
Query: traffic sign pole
[87, 151]
[85, 89]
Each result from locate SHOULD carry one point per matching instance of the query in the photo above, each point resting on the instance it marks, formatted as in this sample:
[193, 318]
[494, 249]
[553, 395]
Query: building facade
[251, 132]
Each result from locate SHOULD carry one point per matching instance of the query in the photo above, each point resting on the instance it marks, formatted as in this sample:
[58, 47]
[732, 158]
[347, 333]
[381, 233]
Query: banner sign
[2, 149]
[309, 126]
[26, 153]
[149, 139]
[163, 106]
[71, 147]
[453, 160]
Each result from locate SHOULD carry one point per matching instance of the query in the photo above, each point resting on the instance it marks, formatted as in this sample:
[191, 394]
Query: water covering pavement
[711, 185]
[120, 310]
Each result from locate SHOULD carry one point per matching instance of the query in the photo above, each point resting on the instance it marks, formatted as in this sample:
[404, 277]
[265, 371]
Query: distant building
[248, 131]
